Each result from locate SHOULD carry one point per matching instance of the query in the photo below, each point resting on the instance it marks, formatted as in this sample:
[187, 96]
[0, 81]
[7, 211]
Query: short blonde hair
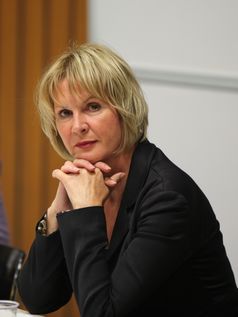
[105, 75]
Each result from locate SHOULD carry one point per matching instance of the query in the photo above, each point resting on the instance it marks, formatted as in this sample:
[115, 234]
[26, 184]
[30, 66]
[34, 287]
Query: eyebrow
[90, 97]
[60, 106]
[84, 101]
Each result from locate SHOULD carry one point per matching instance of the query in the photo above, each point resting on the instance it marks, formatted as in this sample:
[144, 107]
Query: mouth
[85, 144]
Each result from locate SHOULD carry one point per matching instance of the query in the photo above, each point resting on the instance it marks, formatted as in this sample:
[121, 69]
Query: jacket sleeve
[160, 243]
[43, 283]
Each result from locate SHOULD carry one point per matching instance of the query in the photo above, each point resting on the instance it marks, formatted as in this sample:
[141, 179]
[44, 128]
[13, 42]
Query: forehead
[65, 91]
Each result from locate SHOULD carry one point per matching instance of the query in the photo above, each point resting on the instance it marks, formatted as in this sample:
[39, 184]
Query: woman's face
[89, 128]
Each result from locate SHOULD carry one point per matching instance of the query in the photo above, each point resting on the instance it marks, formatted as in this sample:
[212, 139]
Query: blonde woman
[129, 233]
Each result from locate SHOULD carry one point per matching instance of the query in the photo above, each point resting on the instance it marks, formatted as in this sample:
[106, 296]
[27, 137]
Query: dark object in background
[4, 232]
[11, 260]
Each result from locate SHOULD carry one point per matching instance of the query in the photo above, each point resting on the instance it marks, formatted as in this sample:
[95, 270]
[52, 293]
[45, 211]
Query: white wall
[185, 54]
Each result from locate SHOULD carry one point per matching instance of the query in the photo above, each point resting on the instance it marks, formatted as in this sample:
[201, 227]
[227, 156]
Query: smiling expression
[89, 128]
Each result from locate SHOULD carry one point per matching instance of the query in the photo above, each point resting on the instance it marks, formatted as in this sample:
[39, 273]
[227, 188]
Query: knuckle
[79, 162]
[98, 171]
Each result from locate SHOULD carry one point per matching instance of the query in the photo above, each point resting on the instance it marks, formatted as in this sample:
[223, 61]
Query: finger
[118, 177]
[69, 167]
[57, 173]
[84, 164]
[114, 179]
[109, 182]
[103, 167]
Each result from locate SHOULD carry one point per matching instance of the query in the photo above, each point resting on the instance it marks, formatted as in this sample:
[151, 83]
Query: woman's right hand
[62, 202]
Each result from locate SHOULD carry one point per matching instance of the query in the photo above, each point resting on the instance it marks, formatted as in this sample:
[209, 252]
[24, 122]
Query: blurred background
[184, 53]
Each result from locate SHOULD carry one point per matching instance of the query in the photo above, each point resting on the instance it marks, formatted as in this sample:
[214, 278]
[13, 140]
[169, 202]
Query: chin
[91, 158]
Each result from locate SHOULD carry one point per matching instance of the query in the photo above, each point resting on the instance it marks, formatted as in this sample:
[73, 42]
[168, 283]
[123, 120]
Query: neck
[120, 163]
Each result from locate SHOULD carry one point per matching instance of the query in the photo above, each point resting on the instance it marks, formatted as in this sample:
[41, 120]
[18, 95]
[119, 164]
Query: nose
[79, 125]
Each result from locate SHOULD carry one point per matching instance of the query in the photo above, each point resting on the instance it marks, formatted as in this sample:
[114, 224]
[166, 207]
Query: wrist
[85, 205]
[51, 221]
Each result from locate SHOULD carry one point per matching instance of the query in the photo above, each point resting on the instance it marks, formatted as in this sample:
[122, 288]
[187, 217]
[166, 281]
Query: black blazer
[166, 256]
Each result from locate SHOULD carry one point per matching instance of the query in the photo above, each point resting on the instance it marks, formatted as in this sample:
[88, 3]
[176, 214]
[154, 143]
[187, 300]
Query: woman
[128, 231]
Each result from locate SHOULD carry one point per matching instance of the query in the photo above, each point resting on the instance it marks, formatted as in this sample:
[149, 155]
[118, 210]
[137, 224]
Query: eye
[94, 106]
[64, 113]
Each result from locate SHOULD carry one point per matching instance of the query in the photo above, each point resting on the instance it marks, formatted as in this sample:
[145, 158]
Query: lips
[85, 144]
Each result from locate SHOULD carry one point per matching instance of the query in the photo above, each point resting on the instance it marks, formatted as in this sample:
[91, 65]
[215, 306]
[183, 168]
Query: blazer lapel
[140, 166]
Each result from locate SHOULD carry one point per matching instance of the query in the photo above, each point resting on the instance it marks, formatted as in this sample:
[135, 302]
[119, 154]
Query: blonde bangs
[105, 76]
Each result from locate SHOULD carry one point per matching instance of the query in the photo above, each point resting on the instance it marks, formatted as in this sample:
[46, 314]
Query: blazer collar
[139, 169]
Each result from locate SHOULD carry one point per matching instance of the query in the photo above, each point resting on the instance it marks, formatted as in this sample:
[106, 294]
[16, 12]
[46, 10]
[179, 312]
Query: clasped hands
[81, 184]
[86, 184]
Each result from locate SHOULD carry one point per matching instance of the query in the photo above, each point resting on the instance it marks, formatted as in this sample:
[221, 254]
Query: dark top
[166, 256]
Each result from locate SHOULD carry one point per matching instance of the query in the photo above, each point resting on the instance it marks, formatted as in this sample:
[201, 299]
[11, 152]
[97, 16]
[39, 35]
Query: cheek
[63, 131]
[115, 130]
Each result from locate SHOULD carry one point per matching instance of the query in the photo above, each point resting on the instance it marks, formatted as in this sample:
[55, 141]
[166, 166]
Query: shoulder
[172, 197]
[170, 177]
[166, 179]
[153, 173]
